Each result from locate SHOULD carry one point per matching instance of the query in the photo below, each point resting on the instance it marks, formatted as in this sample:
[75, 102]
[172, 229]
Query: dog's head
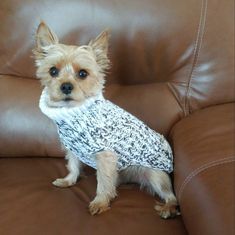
[71, 73]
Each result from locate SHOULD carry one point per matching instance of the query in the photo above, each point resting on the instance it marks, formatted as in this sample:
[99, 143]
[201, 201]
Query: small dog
[93, 130]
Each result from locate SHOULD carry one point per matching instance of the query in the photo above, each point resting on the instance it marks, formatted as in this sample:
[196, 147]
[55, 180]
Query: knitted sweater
[99, 125]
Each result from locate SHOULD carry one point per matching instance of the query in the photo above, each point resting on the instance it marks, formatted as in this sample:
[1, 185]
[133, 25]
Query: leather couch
[172, 66]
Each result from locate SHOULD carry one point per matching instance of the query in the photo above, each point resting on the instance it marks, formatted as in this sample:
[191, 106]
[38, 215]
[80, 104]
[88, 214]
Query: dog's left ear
[101, 42]
[100, 48]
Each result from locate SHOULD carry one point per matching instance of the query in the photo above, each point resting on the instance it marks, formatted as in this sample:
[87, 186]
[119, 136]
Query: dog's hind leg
[156, 182]
[160, 183]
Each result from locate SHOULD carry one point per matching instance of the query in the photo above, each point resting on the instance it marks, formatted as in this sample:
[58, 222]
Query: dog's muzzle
[66, 88]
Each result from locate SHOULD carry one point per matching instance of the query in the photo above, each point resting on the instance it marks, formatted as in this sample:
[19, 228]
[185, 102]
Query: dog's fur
[92, 58]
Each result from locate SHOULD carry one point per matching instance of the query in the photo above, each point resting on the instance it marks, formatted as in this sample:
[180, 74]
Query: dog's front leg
[74, 166]
[106, 182]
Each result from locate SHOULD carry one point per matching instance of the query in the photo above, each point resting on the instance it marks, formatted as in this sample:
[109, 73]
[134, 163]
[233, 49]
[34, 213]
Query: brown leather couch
[172, 66]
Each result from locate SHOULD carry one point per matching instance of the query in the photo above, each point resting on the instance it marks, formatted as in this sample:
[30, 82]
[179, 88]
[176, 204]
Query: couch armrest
[204, 170]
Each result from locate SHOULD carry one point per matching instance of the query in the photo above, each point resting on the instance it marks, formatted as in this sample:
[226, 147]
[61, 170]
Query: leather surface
[25, 131]
[31, 205]
[185, 43]
[204, 169]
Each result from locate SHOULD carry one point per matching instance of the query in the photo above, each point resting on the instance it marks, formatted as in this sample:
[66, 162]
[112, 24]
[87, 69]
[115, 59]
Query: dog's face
[71, 73]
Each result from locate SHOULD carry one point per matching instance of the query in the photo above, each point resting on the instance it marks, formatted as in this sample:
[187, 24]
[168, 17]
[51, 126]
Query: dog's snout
[66, 88]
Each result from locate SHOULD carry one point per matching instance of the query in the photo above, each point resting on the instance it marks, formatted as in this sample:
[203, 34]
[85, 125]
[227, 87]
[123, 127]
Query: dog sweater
[98, 125]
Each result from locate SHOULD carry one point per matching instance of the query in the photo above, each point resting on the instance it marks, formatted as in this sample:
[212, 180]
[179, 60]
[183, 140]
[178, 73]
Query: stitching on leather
[201, 169]
[173, 92]
[197, 48]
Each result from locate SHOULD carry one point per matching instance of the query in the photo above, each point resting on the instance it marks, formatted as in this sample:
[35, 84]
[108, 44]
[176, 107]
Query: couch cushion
[204, 169]
[25, 131]
[31, 205]
[187, 43]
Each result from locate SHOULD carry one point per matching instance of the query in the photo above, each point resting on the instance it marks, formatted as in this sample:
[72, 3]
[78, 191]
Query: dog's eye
[54, 72]
[82, 74]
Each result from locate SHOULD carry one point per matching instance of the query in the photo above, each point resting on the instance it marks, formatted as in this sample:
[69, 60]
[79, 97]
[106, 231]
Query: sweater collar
[57, 113]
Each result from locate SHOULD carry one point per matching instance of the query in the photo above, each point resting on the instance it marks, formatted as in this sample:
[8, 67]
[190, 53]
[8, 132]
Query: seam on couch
[2, 75]
[196, 52]
[174, 93]
[201, 169]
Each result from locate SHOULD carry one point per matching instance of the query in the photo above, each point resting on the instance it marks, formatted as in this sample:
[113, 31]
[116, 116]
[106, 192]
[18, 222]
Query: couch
[172, 67]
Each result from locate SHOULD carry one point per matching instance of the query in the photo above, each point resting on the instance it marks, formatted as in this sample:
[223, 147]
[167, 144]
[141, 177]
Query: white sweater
[99, 125]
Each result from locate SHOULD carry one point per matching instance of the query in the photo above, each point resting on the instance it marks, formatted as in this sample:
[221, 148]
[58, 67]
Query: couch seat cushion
[31, 205]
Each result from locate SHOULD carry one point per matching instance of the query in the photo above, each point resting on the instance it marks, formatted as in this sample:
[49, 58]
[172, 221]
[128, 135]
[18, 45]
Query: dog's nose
[66, 88]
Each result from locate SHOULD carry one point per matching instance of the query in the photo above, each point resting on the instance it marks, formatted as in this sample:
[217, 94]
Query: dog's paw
[98, 207]
[62, 183]
[167, 211]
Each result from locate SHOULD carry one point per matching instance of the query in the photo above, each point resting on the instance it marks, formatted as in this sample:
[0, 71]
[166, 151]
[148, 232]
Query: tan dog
[73, 77]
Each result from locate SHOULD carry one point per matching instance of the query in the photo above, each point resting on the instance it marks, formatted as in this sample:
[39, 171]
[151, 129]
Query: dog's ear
[100, 43]
[100, 48]
[45, 36]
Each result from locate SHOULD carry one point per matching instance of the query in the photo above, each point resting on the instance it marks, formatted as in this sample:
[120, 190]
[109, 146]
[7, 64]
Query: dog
[95, 131]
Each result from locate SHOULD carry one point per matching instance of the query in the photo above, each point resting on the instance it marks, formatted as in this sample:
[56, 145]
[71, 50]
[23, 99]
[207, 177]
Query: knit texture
[98, 125]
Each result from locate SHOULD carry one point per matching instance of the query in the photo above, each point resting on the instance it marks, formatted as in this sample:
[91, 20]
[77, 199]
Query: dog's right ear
[45, 36]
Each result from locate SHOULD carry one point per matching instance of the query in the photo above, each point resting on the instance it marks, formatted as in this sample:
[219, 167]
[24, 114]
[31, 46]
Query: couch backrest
[169, 57]
[188, 43]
